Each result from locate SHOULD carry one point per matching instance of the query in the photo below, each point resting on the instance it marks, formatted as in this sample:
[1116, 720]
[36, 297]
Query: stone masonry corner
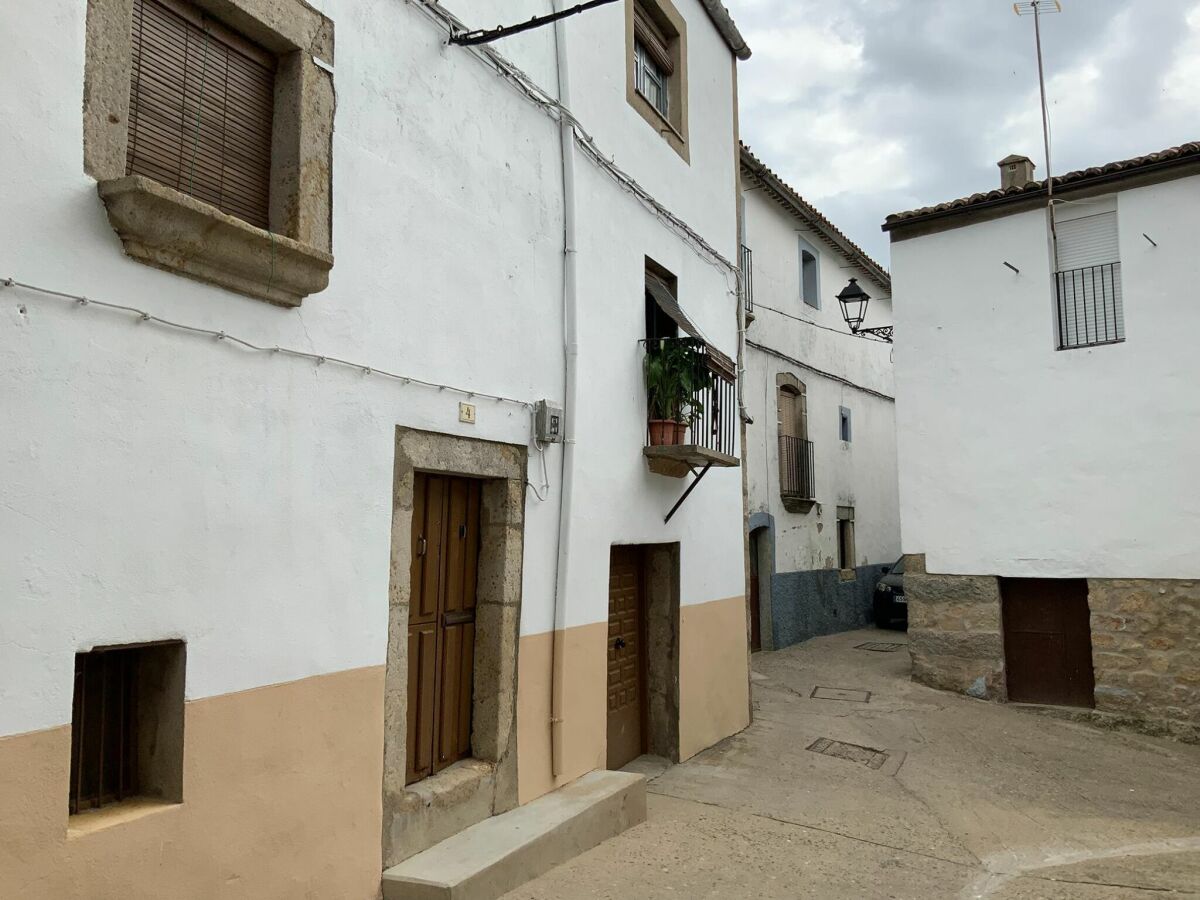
[954, 631]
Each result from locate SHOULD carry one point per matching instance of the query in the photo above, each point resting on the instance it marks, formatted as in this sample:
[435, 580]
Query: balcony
[1090, 312]
[797, 480]
[691, 407]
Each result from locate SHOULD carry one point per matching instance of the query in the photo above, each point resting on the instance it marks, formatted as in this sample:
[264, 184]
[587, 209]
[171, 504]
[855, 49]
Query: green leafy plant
[676, 373]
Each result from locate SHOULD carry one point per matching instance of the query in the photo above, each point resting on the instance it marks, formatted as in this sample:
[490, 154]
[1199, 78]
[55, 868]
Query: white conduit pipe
[570, 402]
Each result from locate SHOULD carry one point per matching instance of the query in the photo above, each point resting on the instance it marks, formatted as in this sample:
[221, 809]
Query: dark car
[891, 606]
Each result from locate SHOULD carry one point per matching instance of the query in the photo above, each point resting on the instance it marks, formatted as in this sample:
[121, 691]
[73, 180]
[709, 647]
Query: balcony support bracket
[691, 487]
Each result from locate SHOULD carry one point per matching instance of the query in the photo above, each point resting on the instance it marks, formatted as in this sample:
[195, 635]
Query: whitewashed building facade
[821, 503]
[1048, 420]
[292, 362]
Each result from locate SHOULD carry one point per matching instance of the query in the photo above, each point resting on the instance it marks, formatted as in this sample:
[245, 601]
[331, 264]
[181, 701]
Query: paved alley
[964, 799]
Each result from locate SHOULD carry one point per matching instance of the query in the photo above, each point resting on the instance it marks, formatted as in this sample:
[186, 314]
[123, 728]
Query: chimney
[1015, 171]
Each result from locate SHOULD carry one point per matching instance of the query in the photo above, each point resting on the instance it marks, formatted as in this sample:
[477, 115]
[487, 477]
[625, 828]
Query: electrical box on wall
[547, 422]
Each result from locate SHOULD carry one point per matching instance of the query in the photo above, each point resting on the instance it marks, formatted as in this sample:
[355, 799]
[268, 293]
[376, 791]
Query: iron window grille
[651, 81]
[1090, 311]
[127, 725]
[746, 264]
[714, 404]
[796, 468]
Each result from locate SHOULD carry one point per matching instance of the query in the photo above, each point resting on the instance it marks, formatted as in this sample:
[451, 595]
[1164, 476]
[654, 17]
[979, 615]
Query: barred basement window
[127, 725]
[201, 108]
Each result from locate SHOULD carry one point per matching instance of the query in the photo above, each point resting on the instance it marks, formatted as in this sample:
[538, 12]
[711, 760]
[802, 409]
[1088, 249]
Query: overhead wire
[225, 336]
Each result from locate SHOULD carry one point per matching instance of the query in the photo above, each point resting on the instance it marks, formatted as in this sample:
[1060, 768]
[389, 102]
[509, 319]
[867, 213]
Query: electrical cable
[320, 359]
[838, 378]
[780, 312]
[450, 24]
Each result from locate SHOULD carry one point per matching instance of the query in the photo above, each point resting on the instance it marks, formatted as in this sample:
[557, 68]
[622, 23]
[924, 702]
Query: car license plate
[900, 599]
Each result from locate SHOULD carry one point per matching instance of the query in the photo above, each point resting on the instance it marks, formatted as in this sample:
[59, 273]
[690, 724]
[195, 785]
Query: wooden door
[626, 656]
[1047, 641]
[441, 621]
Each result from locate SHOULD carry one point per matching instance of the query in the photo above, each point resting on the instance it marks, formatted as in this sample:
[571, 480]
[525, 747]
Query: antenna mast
[1038, 8]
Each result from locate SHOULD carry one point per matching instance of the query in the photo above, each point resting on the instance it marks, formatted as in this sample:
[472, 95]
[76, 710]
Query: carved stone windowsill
[797, 504]
[170, 230]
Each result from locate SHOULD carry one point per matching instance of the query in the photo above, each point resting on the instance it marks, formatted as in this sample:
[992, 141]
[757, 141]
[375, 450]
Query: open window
[796, 466]
[657, 68]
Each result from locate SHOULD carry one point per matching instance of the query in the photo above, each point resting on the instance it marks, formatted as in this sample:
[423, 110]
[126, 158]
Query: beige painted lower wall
[585, 720]
[714, 673]
[714, 700]
[281, 800]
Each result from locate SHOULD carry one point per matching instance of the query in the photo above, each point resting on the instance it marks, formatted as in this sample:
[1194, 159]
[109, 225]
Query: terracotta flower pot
[664, 432]
[681, 430]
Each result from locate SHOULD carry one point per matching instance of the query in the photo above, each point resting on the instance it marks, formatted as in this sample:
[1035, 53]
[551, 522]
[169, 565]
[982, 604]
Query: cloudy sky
[869, 107]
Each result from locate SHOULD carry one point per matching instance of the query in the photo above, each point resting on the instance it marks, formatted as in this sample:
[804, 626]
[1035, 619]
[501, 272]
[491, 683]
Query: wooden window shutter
[654, 39]
[201, 106]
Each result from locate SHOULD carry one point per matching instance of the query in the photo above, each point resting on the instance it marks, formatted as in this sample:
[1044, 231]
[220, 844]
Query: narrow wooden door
[626, 657]
[441, 621]
[1047, 641]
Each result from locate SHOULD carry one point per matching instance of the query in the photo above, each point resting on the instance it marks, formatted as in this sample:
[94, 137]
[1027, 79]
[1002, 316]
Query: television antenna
[1037, 9]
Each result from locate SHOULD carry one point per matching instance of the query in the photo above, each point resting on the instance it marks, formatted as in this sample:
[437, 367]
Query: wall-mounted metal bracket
[486, 36]
[691, 487]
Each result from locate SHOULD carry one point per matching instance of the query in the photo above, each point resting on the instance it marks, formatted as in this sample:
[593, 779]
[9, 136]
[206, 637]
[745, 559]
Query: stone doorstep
[501, 853]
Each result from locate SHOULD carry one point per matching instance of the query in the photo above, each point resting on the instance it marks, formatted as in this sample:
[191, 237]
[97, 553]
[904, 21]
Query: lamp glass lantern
[853, 300]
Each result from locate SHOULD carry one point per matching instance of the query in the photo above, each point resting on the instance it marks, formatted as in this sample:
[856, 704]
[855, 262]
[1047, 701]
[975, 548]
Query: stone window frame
[421, 814]
[674, 130]
[168, 229]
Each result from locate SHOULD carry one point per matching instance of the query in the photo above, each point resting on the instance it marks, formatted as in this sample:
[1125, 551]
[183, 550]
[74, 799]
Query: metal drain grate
[828, 693]
[867, 756]
[879, 647]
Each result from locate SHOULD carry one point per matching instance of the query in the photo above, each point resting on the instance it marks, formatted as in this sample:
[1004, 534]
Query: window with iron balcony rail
[691, 408]
[796, 471]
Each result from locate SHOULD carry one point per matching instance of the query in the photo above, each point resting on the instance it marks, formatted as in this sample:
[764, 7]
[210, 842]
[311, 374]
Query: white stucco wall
[155, 484]
[861, 473]
[1017, 459]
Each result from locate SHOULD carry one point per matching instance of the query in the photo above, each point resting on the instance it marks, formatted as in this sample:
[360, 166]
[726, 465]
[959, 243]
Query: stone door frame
[419, 815]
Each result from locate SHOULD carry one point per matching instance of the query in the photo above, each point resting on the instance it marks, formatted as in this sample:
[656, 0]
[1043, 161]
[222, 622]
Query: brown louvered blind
[200, 111]
[654, 39]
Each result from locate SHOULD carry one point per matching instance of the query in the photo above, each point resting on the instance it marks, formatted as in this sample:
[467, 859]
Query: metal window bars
[746, 264]
[713, 405]
[797, 476]
[1090, 311]
[103, 729]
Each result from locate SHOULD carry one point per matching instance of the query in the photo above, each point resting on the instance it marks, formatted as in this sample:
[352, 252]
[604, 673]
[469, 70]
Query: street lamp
[853, 300]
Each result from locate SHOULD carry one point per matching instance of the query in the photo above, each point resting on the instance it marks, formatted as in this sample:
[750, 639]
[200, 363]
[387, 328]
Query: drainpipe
[570, 378]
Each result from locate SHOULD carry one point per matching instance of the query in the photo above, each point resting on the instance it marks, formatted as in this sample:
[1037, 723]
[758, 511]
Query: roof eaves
[814, 217]
[1172, 157]
[720, 16]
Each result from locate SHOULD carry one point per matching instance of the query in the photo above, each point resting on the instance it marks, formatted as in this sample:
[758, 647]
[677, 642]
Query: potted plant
[676, 373]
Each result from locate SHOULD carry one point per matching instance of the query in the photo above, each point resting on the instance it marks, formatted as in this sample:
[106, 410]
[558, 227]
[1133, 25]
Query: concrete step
[498, 854]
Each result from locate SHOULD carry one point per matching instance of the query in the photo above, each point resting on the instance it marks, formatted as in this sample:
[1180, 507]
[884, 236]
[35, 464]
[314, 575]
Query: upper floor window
[1087, 282]
[201, 104]
[657, 85]
[796, 472]
[810, 282]
[209, 130]
[844, 423]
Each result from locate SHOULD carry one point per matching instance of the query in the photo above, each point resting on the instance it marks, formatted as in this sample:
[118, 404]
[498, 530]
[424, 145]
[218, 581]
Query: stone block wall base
[954, 632]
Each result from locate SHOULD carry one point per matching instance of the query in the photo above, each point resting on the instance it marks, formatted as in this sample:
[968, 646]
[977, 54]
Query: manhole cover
[879, 647]
[866, 756]
[828, 693]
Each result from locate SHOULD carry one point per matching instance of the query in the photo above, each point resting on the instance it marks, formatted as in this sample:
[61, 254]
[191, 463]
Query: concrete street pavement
[966, 799]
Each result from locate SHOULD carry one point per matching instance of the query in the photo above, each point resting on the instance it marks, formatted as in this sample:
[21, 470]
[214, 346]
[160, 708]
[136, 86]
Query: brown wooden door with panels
[441, 621]
[626, 656]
